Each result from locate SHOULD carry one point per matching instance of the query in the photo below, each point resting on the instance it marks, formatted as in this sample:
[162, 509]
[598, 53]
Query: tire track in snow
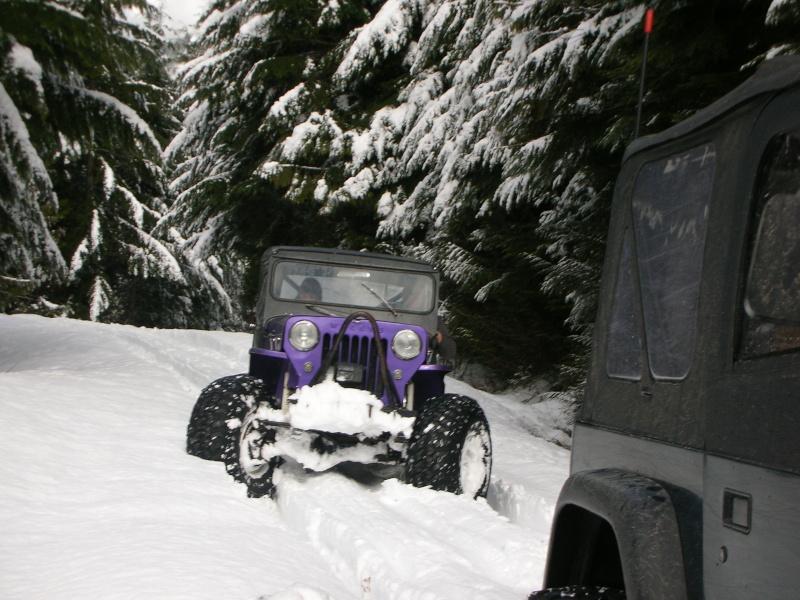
[400, 542]
[116, 407]
[226, 355]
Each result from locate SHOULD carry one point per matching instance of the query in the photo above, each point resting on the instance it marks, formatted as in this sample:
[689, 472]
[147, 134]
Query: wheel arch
[618, 529]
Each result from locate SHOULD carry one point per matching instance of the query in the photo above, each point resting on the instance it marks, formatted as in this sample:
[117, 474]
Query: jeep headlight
[406, 344]
[304, 336]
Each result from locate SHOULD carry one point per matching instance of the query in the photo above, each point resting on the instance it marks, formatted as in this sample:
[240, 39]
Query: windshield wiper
[324, 311]
[381, 298]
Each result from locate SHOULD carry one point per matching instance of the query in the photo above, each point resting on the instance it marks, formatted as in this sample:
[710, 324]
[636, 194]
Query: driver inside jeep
[310, 290]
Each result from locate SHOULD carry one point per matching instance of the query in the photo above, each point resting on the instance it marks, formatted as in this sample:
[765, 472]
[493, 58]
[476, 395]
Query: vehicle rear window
[670, 207]
[353, 287]
[771, 307]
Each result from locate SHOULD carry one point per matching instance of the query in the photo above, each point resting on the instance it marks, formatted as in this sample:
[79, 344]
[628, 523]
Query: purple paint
[357, 347]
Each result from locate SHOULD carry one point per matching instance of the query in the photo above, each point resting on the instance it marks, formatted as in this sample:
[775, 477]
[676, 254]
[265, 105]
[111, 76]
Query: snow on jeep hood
[328, 406]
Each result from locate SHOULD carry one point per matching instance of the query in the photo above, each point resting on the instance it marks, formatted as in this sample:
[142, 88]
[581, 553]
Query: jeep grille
[360, 350]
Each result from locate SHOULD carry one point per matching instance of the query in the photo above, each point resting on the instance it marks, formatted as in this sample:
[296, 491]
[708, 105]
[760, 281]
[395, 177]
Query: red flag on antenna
[648, 28]
[648, 21]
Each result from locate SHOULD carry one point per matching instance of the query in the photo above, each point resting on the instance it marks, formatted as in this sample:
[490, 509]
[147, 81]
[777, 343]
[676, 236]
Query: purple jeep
[345, 372]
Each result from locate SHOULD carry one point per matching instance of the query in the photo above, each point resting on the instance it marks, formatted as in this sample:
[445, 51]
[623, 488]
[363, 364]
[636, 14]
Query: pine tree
[586, 75]
[29, 256]
[499, 159]
[446, 192]
[92, 92]
[263, 142]
[482, 136]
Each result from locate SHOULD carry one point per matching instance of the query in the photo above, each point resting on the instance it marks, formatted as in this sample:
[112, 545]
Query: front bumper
[324, 425]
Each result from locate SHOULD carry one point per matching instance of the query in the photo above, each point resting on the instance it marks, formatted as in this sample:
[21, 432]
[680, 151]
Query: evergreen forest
[144, 170]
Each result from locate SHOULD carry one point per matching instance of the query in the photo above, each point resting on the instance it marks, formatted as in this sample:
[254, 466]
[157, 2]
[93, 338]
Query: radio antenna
[648, 28]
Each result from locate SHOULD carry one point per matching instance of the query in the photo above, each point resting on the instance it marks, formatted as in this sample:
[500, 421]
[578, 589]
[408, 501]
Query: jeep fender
[598, 510]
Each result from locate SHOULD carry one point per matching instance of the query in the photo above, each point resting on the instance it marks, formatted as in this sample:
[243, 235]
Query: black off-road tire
[578, 592]
[242, 454]
[225, 400]
[450, 447]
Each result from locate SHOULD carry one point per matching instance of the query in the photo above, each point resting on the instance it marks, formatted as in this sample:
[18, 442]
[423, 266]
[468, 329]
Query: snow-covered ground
[99, 500]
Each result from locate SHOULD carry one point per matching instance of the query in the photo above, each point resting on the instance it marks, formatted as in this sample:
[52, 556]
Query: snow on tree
[244, 174]
[88, 89]
[29, 256]
[499, 158]
[434, 160]
[484, 136]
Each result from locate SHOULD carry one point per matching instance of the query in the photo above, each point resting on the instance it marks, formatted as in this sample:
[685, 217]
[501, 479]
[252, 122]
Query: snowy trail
[397, 541]
[98, 498]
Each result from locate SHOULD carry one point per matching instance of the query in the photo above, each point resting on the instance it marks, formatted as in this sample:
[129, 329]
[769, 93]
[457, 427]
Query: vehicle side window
[771, 307]
[624, 352]
[670, 206]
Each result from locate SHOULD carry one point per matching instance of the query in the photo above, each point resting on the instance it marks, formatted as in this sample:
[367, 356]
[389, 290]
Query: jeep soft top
[352, 270]
[685, 470]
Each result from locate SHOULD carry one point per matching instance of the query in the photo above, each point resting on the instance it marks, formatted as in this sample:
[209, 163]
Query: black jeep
[686, 458]
[346, 371]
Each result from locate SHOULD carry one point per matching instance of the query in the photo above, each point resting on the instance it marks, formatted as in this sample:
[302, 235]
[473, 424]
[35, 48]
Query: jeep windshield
[353, 287]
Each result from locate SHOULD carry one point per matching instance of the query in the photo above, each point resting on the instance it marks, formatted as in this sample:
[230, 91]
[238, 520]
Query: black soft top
[268, 306]
[775, 74]
[744, 409]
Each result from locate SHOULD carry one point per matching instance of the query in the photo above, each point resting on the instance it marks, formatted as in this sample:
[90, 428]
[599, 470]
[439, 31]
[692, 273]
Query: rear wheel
[244, 461]
[218, 412]
[450, 447]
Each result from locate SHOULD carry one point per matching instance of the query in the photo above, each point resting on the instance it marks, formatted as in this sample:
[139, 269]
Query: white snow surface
[22, 59]
[100, 500]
